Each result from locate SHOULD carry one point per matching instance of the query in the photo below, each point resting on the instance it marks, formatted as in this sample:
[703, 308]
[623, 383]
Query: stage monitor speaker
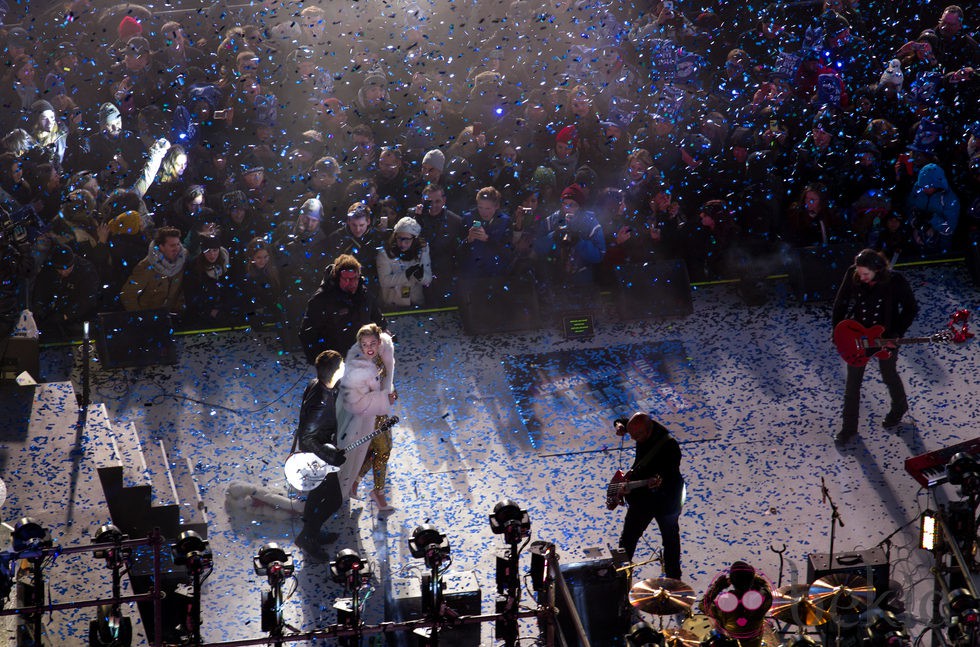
[461, 594]
[19, 354]
[815, 273]
[600, 597]
[656, 289]
[140, 338]
[872, 565]
[498, 304]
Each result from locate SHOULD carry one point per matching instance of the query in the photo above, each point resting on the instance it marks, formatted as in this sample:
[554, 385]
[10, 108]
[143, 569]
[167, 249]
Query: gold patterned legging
[377, 456]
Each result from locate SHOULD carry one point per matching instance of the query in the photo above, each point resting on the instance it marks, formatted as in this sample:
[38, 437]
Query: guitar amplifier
[599, 594]
[872, 565]
[461, 594]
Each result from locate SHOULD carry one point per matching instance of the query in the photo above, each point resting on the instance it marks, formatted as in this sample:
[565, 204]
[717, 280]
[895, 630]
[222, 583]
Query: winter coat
[941, 210]
[398, 289]
[363, 396]
[155, 283]
[333, 317]
[60, 301]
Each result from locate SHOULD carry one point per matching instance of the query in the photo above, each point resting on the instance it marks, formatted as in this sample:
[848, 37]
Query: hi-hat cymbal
[662, 596]
[842, 593]
[680, 638]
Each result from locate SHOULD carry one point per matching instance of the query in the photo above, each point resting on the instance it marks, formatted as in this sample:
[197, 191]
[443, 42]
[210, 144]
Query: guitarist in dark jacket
[872, 294]
[658, 460]
[317, 434]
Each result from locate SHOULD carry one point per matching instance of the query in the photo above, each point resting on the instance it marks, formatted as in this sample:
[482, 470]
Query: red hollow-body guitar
[858, 344]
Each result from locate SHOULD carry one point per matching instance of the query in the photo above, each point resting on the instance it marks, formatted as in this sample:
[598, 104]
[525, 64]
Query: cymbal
[802, 612]
[842, 593]
[662, 596]
[680, 638]
[791, 603]
[699, 624]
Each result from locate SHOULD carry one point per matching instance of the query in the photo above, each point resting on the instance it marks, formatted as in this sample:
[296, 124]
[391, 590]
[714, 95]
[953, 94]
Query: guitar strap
[653, 451]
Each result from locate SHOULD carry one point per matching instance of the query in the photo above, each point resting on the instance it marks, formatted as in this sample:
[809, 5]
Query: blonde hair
[368, 330]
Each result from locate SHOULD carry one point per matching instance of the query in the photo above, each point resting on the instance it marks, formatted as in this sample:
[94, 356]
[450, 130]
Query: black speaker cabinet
[600, 597]
[140, 338]
[461, 594]
[650, 290]
[815, 273]
[19, 354]
[872, 565]
[499, 304]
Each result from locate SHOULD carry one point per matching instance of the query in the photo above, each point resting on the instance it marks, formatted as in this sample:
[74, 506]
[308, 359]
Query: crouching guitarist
[657, 470]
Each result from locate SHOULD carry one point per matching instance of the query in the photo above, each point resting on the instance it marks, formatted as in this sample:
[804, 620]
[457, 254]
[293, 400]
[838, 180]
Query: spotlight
[510, 521]
[429, 544]
[190, 548]
[110, 534]
[963, 470]
[276, 564]
[30, 536]
[928, 531]
[273, 562]
[885, 630]
[348, 569]
[110, 627]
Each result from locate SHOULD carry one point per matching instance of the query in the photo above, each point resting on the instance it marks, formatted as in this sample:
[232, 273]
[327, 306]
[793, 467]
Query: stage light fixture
[928, 531]
[111, 628]
[190, 547]
[964, 470]
[29, 535]
[509, 520]
[273, 562]
[348, 568]
[884, 629]
[429, 544]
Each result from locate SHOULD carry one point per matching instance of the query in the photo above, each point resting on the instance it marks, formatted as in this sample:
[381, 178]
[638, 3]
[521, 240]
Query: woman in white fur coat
[366, 391]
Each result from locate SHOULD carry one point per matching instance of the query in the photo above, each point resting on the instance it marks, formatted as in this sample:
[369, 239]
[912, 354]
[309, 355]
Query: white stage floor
[753, 394]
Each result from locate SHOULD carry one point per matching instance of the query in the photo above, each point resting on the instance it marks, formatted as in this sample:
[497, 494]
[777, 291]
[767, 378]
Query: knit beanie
[574, 192]
[62, 257]
[129, 27]
[408, 226]
[435, 158]
[127, 222]
[312, 208]
[567, 135]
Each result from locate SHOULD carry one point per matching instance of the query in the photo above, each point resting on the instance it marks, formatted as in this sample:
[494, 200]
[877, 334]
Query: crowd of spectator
[216, 161]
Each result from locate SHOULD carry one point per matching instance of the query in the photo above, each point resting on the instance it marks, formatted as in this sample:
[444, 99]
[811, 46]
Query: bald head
[640, 426]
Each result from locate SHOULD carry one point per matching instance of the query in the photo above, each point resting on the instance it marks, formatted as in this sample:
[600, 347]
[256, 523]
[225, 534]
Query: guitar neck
[388, 424]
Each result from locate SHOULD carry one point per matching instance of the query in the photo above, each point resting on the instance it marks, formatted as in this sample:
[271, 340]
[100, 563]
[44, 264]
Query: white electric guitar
[305, 470]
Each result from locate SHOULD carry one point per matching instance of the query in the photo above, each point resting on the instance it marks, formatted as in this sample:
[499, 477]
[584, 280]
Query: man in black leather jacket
[317, 434]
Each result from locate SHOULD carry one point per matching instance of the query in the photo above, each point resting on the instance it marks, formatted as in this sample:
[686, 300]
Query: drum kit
[803, 606]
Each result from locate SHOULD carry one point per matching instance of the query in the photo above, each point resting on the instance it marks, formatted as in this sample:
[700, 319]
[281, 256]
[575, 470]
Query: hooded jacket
[942, 208]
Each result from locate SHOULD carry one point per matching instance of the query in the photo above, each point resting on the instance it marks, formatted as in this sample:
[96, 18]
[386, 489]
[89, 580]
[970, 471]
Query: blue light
[499, 111]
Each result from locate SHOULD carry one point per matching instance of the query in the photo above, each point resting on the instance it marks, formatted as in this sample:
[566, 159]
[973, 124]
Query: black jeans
[852, 390]
[324, 500]
[644, 507]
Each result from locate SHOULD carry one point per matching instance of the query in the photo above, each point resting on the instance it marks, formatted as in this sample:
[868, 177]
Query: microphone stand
[887, 541]
[834, 520]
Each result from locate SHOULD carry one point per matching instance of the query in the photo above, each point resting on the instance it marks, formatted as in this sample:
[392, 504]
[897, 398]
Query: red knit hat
[129, 27]
[574, 192]
[567, 135]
